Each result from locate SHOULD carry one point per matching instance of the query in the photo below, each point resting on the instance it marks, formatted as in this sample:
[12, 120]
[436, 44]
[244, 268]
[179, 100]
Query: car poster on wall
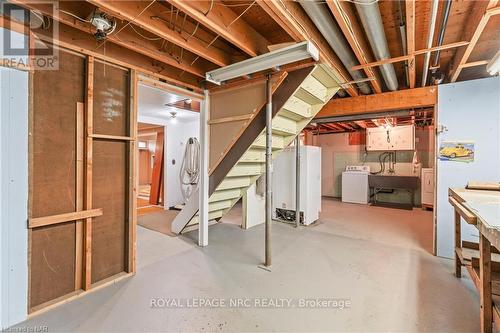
[457, 151]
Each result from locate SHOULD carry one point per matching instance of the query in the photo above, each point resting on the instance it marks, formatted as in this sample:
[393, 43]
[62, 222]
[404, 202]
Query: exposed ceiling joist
[476, 23]
[138, 13]
[410, 40]
[127, 38]
[354, 35]
[79, 41]
[224, 22]
[292, 18]
[394, 100]
[410, 56]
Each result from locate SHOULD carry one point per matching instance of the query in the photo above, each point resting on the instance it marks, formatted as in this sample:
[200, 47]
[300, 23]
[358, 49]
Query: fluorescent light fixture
[273, 59]
[493, 66]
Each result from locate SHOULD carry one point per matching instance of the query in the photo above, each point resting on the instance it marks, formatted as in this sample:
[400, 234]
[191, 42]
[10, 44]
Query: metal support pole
[297, 181]
[269, 168]
[203, 182]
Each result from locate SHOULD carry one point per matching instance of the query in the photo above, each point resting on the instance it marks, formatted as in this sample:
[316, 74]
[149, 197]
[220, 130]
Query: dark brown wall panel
[110, 192]
[55, 95]
[111, 101]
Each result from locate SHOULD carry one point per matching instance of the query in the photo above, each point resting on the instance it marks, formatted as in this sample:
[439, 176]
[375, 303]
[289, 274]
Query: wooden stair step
[296, 109]
[245, 170]
[225, 195]
[253, 156]
[312, 91]
[260, 142]
[234, 182]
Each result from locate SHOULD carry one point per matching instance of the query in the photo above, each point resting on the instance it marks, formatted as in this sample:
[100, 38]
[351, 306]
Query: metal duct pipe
[369, 13]
[322, 19]
[438, 75]
[432, 26]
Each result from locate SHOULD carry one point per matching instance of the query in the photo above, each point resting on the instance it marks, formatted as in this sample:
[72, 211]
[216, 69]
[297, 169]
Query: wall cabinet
[427, 187]
[390, 138]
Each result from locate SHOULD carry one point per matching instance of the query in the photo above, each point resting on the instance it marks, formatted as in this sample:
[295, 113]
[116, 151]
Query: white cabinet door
[402, 138]
[377, 139]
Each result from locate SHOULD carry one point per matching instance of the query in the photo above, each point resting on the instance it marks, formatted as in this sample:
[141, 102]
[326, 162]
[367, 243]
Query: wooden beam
[348, 24]
[127, 38]
[410, 40]
[89, 130]
[141, 15]
[389, 101]
[410, 56]
[132, 174]
[292, 18]
[78, 41]
[80, 183]
[224, 22]
[361, 124]
[474, 64]
[62, 218]
[474, 27]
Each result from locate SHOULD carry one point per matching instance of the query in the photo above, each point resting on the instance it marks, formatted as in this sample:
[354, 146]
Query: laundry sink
[393, 181]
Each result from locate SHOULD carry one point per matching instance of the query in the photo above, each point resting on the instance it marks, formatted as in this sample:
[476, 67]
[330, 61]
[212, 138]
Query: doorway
[150, 143]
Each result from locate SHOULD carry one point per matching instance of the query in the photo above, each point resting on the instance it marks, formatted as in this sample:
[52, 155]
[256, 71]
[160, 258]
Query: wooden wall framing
[82, 232]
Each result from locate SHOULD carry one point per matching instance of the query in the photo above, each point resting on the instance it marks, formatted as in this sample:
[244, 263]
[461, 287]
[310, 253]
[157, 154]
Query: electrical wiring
[75, 16]
[145, 37]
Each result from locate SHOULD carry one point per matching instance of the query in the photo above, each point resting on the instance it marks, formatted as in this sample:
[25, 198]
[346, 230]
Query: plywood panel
[111, 103]
[53, 178]
[110, 192]
[229, 103]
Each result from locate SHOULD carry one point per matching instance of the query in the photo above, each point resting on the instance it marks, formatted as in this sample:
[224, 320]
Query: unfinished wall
[337, 152]
[53, 178]
[82, 154]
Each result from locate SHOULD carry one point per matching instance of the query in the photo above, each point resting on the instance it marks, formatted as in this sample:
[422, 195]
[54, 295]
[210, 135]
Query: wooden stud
[474, 64]
[410, 40]
[112, 137]
[63, 218]
[133, 172]
[80, 156]
[485, 284]
[458, 245]
[89, 124]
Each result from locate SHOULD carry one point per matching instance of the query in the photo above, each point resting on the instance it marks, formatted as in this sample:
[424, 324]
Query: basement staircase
[295, 103]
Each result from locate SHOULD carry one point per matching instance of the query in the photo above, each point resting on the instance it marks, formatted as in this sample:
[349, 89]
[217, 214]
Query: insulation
[53, 180]
[111, 102]
[110, 192]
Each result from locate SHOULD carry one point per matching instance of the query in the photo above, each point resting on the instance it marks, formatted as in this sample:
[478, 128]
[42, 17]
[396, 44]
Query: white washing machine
[355, 184]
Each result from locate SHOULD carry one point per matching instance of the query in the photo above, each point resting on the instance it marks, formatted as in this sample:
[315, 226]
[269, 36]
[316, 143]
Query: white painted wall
[471, 112]
[176, 135]
[13, 196]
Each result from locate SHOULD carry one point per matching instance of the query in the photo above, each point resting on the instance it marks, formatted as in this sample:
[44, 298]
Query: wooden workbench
[480, 208]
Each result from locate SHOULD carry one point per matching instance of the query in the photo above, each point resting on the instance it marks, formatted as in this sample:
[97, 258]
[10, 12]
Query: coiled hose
[190, 168]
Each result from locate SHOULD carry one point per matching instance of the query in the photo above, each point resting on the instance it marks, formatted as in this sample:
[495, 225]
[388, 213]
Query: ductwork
[321, 17]
[430, 38]
[369, 13]
[437, 75]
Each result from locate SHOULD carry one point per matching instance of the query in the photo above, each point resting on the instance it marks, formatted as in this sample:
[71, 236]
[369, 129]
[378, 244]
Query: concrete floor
[377, 258]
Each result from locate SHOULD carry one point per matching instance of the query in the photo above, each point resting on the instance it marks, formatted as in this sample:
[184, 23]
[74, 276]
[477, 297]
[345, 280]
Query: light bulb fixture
[493, 66]
[270, 60]
[188, 101]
